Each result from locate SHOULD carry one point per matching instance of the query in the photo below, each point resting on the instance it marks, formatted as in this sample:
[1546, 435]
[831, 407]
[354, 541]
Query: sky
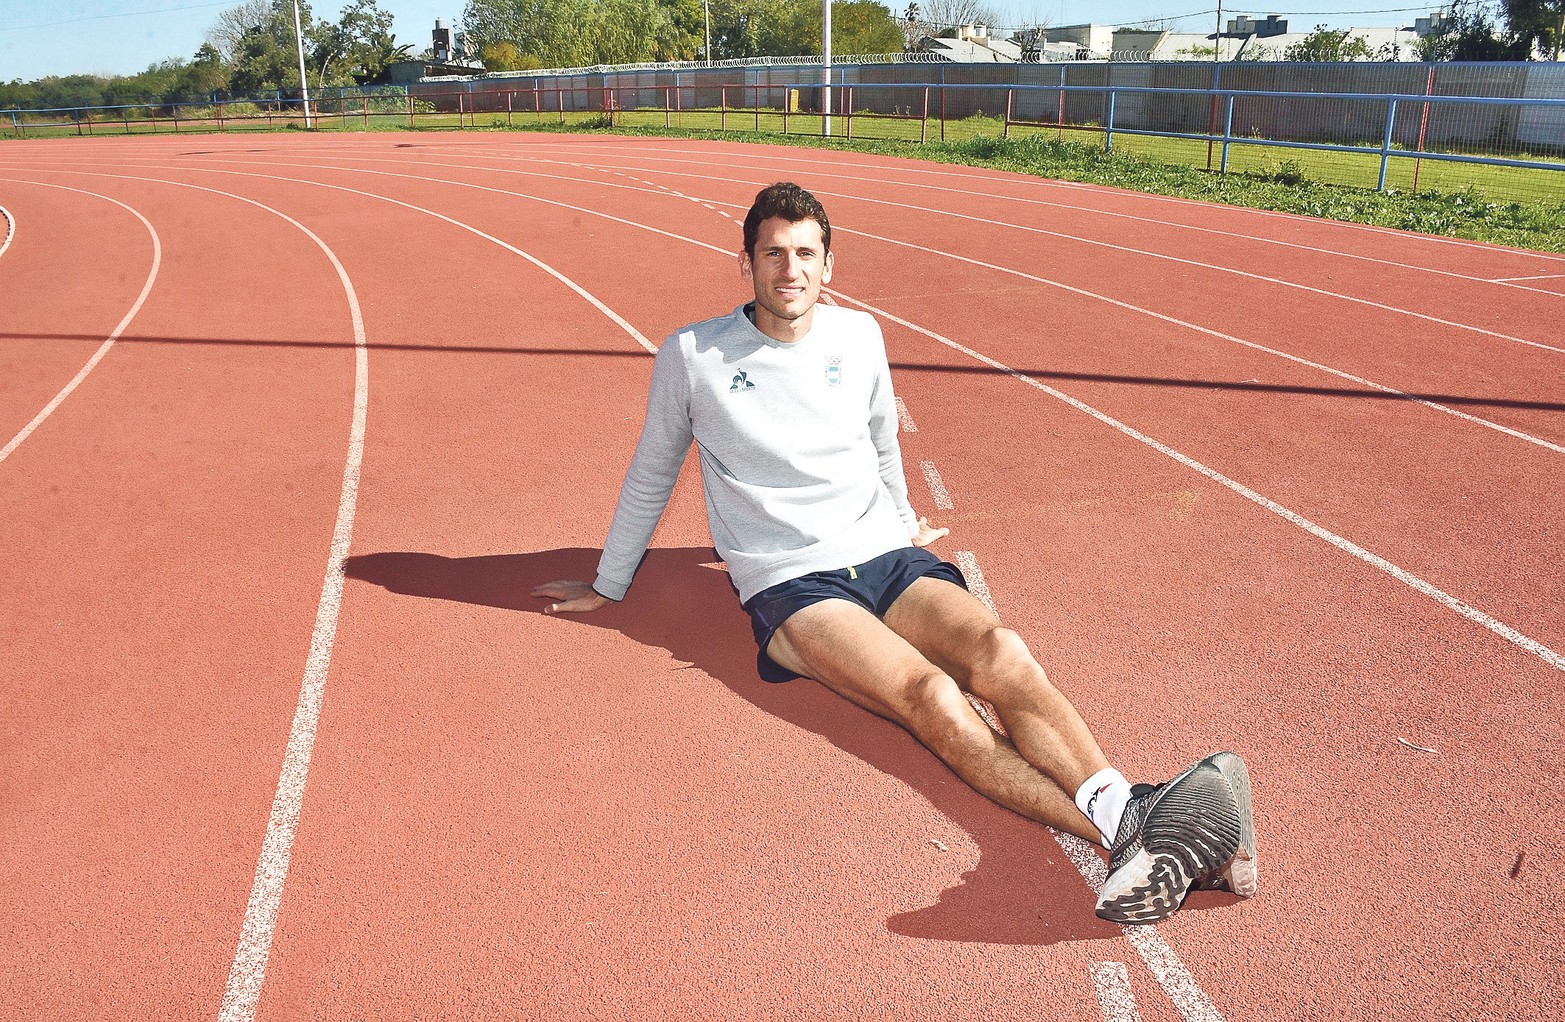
[61, 37]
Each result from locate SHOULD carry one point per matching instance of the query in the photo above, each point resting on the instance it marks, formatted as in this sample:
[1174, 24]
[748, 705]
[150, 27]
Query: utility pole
[706, 5]
[304, 83]
[1217, 70]
[826, 61]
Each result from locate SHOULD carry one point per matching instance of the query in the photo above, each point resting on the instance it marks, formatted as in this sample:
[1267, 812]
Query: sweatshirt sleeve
[883, 429]
[665, 440]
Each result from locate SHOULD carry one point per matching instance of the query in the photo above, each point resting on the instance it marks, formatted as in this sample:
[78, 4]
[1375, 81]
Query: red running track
[1241, 479]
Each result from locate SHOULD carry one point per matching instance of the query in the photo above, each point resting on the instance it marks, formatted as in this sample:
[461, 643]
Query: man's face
[789, 267]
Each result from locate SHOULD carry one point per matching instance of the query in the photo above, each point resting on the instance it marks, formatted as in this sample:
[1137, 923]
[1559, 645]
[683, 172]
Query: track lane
[68, 306]
[157, 613]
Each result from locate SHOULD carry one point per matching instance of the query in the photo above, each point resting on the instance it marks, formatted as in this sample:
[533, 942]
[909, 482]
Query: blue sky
[59, 37]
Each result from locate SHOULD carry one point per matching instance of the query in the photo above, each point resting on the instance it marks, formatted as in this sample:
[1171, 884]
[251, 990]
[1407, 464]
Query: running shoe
[1195, 829]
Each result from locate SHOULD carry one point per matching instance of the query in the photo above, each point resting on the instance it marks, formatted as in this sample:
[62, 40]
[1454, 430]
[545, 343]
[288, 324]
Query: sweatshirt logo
[833, 371]
[741, 383]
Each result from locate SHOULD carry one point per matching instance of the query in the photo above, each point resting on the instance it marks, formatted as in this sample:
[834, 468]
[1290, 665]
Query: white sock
[1102, 799]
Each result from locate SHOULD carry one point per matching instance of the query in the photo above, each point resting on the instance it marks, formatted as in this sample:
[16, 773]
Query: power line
[122, 14]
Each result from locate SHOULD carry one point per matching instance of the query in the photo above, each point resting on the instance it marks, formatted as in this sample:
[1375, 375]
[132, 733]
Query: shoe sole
[1197, 828]
[1238, 875]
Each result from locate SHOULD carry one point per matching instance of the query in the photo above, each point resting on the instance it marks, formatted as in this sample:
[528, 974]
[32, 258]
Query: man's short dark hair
[787, 200]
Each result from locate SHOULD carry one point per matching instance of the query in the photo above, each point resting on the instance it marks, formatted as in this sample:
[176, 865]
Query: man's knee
[934, 708]
[1003, 665]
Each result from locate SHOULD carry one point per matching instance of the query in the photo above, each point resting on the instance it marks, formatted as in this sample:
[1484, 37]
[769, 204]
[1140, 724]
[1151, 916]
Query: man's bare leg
[961, 636]
[858, 656]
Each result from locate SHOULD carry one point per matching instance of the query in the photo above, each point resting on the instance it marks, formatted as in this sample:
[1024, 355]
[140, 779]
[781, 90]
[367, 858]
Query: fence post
[1228, 131]
[788, 95]
[722, 102]
[1385, 145]
[942, 104]
[1108, 127]
[757, 109]
[410, 110]
[847, 115]
[1059, 121]
[1006, 131]
[1217, 78]
[220, 126]
[366, 101]
[1423, 124]
[923, 125]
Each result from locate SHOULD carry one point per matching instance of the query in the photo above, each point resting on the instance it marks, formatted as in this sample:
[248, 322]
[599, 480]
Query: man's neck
[783, 331]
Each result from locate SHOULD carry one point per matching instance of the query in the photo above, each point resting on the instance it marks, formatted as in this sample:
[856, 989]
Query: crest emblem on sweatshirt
[741, 383]
[833, 371]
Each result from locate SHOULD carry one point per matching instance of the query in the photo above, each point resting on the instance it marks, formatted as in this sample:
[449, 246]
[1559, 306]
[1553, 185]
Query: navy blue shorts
[874, 585]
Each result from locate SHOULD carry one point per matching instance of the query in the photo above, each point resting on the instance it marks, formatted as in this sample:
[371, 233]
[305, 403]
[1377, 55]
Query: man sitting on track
[789, 404]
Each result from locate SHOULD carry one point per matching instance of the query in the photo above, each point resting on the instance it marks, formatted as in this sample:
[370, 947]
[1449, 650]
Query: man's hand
[574, 597]
[927, 533]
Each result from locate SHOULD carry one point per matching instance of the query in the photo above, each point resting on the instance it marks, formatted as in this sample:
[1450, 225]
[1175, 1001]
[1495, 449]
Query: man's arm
[883, 429]
[665, 440]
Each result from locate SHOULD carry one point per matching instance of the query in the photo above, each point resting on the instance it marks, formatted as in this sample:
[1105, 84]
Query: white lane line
[1115, 998]
[1172, 320]
[1407, 578]
[1171, 974]
[103, 349]
[937, 486]
[993, 197]
[1473, 614]
[10, 229]
[1162, 961]
[904, 418]
[1541, 276]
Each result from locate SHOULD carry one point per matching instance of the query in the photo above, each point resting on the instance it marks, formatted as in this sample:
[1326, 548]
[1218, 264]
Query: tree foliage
[1325, 44]
[1469, 32]
[574, 33]
[1536, 25]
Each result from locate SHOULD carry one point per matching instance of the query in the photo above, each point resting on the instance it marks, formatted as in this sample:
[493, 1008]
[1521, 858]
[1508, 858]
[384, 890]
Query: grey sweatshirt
[798, 449]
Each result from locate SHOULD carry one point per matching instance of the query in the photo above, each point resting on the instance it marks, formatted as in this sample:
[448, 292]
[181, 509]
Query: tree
[551, 31]
[1468, 32]
[1324, 44]
[1537, 24]
[857, 26]
[504, 55]
[227, 34]
[938, 15]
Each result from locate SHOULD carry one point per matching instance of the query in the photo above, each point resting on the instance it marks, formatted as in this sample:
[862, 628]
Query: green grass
[1518, 207]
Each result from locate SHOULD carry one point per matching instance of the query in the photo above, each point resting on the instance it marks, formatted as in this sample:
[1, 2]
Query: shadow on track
[1023, 890]
[1050, 375]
